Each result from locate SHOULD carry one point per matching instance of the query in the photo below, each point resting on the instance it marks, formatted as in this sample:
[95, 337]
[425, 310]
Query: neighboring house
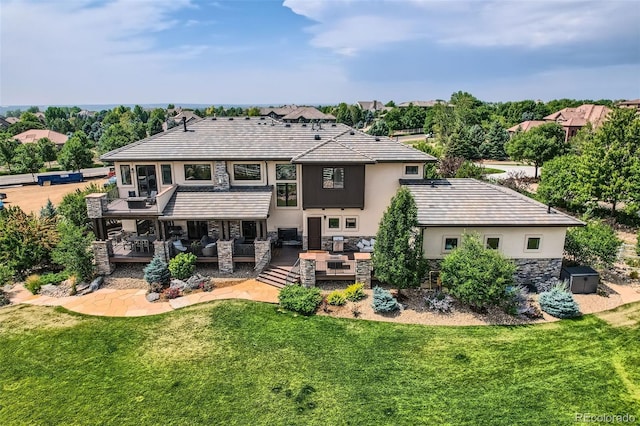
[421, 104]
[252, 178]
[12, 120]
[4, 123]
[525, 126]
[34, 135]
[180, 117]
[373, 106]
[277, 112]
[633, 103]
[307, 115]
[521, 228]
[86, 113]
[571, 119]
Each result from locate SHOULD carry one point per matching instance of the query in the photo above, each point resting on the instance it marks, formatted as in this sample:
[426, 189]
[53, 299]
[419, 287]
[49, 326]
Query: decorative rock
[95, 284]
[195, 280]
[64, 289]
[179, 284]
[152, 297]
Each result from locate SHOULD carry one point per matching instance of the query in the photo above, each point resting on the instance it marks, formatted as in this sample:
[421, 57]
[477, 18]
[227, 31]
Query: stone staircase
[279, 276]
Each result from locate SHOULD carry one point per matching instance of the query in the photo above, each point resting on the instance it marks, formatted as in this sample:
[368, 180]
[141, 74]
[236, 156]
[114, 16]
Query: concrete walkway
[133, 303]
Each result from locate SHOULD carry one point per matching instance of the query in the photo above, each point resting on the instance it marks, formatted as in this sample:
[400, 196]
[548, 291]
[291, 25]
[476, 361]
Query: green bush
[6, 274]
[337, 298]
[54, 277]
[157, 271]
[477, 276]
[73, 252]
[33, 283]
[559, 302]
[4, 299]
[383, 301]
[354, 292]
[638, 244]
[595, 244]
[300, 299]
[183, 265]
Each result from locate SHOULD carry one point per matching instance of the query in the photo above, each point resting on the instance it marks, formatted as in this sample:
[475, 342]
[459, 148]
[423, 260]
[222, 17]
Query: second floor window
[167, 179]
[287, 195]
[197, 171]
[333, 178]
[246, 172]
[125, 175]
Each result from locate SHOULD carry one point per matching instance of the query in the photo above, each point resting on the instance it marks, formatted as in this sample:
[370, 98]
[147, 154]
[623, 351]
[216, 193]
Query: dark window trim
[126, 167]
[194, 165]
[248, 178]
[162, 169]
[287, 186]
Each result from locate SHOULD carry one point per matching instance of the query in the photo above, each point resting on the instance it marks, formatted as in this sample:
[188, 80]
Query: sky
[66, 52]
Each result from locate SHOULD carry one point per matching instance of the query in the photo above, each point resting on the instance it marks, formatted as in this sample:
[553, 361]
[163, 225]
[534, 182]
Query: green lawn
[247, 363]
[491, 171]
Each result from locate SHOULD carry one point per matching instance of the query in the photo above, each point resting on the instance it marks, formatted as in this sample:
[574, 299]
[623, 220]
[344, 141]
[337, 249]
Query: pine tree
[383, 301]
[493, 146]
[48, 211]
[157, 271]
[397, 258]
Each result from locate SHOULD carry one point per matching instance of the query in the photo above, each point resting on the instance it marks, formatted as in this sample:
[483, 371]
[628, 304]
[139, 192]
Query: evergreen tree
[157, 271]
[48, 211]
[397, 258]
[383, 301]
[73, 251]
[493, 146]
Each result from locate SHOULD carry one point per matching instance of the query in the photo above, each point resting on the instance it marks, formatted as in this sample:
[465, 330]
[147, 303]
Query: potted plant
[196, 248]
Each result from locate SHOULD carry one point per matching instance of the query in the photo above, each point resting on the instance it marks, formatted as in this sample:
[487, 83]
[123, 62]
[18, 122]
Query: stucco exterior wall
[512, 240]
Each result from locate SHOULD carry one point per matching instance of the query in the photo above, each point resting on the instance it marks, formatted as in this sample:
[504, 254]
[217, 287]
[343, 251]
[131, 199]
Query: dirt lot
[34, 197]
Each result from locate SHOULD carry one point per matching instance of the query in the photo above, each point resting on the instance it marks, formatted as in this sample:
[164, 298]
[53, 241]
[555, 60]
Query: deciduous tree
[75, 154]
[28, 158]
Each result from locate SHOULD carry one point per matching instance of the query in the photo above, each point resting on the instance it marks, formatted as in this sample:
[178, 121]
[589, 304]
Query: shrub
[6, 274]
[183, 265]
[383, 301]
[337, 298]
[634, 275]
[355, 292]
[594, 244]
[172, 293]
[439, 302]
[157, 271]
[33, 283]
[559, 302]
[4, 299]
[54, 277]
[73, 251]
[638, 244]
[475, 275]
[300, 299]
[519, 303]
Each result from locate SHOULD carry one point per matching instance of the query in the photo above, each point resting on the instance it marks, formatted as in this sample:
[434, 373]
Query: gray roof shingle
[259, 139]
[202, 202]
[468, 202]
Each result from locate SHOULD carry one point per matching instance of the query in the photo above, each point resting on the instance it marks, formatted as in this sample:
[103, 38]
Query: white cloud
[348, 27]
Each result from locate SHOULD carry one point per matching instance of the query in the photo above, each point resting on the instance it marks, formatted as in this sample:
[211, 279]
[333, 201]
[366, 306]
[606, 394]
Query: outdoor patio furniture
[206, 240]
[210, 250]
[178, 246]
[151, 199]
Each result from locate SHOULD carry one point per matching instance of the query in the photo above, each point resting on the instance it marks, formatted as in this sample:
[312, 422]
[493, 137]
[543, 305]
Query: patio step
[278, 276]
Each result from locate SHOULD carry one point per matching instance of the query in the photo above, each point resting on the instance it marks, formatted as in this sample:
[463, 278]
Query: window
[125, 175]
[333, 178]
[533, 243]
[410, 170]
[197, 171]
[350, 223]
[334, 223]
[450, 243]
[287, 195]
[197, 229]
[246, 172]
[285, 172]
[492, 242]
[167, 179]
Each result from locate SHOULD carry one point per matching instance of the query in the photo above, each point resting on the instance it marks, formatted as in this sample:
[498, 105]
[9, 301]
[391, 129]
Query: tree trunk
[535, 175]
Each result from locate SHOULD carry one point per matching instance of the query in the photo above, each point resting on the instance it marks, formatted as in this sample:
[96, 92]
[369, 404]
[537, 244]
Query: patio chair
[178, 246]
[151, 199]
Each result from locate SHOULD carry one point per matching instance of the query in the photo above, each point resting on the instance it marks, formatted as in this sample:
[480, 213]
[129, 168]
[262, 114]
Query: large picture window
[287, 195]
[333, 178]
[246, 172]
[197, 171]
[125, 175]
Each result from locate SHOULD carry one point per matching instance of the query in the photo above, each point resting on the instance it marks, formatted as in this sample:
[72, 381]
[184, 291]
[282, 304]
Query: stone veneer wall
[220, 176]
[363, 268]
[102, 251]
[529, 272]
[308, 272]
[96, 205]
[262, 253]
[349, 243]
[215, 228]
[234, 228]
[225, 256]
[162, 249]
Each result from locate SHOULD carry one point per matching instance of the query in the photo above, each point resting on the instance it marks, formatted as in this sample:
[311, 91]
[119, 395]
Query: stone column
[308, 269]
[363, 268]
[162, 249]
[262, 253]
[102, 251]
[220, 176]
[96, 205]
[225, 256]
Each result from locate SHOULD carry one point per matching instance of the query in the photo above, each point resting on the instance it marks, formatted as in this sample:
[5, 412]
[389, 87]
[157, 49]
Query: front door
[314, 228]
[249, 230]
[147, 180]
